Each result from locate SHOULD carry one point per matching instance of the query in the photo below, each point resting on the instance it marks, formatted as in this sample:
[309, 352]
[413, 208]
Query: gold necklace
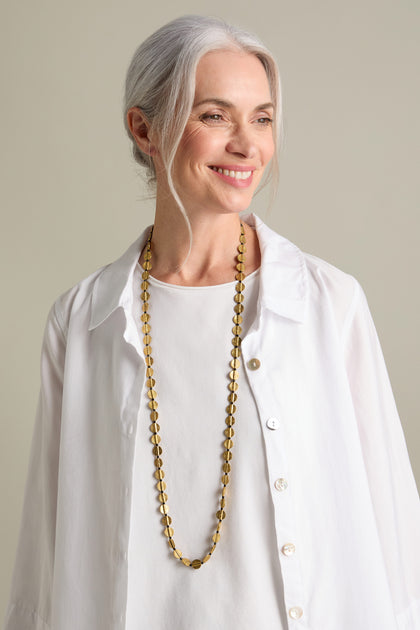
[231, 408]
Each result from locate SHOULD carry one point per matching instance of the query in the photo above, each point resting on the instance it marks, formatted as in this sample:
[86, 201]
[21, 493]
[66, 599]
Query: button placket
[268, 402]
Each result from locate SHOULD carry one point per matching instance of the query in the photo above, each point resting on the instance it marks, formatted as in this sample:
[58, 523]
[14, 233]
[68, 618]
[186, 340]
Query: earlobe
[139, 127]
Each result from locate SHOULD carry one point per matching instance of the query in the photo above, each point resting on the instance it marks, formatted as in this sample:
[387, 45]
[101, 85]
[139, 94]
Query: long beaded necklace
[166, 520]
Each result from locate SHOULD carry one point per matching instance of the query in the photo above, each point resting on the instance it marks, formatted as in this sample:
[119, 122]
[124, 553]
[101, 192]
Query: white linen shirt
[338, 470]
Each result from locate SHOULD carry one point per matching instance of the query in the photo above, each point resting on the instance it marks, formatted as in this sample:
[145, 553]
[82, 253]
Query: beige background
[71, 199]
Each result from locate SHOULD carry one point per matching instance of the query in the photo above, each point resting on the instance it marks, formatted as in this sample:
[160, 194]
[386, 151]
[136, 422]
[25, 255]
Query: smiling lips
[240, 178]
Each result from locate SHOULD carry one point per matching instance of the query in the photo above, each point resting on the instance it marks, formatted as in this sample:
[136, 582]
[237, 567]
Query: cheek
[269, 148]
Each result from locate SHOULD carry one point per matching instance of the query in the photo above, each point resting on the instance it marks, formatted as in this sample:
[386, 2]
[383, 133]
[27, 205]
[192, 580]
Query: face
[228, 140]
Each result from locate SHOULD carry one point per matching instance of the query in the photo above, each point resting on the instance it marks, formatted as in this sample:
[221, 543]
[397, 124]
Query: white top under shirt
[241, 585]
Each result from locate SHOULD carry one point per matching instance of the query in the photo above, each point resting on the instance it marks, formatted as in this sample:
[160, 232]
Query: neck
[213, 253]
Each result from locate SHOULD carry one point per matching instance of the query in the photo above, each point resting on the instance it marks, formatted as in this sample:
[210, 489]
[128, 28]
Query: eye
[264, 120]
[211, 117]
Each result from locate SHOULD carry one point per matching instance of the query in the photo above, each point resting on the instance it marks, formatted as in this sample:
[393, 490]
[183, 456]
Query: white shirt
[350, 508]
[191, 341]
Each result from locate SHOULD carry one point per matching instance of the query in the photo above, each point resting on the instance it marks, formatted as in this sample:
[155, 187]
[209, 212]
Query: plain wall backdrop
[71, 199]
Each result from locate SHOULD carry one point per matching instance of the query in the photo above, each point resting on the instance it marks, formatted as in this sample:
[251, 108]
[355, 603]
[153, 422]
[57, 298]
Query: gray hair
[161, 82]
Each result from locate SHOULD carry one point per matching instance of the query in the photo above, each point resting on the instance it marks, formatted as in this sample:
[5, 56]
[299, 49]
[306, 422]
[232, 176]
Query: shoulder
[75, 301]
[294, 275]
[331, 289]
[94, 298]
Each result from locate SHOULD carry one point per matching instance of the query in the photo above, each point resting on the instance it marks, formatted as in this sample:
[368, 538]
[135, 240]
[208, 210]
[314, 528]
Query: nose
[241, 142]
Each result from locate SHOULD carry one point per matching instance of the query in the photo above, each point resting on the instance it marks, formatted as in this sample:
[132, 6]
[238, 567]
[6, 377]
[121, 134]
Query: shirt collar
[283, 277]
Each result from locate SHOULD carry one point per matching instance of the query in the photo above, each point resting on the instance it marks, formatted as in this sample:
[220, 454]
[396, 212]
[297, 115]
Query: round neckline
[159, 283]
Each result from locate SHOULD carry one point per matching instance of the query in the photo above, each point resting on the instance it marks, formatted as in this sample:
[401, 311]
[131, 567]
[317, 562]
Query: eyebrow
[228, 104]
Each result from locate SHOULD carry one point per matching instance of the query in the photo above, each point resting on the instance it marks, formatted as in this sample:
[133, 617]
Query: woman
[215, 399]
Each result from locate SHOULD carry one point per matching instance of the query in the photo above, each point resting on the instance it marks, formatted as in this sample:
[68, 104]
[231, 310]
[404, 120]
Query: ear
[140, 128]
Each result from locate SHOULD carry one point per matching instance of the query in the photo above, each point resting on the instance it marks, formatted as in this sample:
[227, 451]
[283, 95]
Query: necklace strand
[234, 364]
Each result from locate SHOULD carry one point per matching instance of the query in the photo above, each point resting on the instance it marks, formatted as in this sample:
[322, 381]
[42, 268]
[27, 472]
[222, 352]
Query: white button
[295, 612]
[288, 549]
[273, 423]
[280, 484]
[254, 364]
[126, 490]
[130, 429]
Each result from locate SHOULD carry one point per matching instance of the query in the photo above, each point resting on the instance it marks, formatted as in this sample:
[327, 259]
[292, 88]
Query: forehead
[229, 74]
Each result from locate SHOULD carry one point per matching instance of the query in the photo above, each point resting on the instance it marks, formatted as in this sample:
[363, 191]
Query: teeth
[233, 174]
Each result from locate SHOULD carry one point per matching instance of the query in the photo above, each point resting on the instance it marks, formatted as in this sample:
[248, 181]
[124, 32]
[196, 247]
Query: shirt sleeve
[30, 600]
[392, 486]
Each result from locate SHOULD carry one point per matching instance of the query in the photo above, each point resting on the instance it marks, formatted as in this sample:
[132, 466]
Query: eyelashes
[215, 118]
